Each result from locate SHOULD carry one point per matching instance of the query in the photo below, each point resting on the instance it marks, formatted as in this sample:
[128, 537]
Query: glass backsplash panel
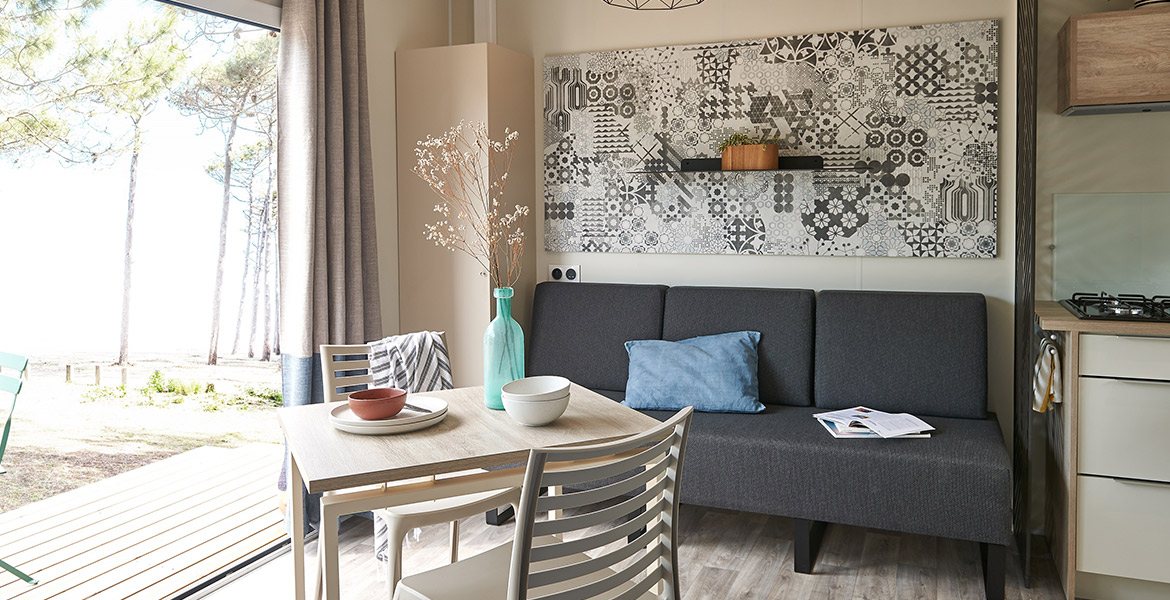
[1116, 243]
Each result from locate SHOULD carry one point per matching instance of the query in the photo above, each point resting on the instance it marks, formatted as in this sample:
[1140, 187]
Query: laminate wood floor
[723, 554]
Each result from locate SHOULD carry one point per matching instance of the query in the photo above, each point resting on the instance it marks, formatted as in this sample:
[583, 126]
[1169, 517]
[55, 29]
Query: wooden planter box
[756, 157]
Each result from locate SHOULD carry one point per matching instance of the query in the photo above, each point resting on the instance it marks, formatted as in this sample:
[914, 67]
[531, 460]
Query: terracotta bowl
[377, 403]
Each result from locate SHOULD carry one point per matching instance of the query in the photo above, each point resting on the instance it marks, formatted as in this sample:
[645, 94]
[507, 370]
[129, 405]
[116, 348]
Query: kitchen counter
[1103, 494]
[1055, 317]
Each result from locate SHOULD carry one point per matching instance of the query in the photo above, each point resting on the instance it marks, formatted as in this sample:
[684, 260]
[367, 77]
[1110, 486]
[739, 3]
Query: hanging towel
[1047, 387]
[415, 362]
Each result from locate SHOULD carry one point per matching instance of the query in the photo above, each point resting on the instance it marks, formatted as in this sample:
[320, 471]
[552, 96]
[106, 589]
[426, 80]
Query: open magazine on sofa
[862, 422]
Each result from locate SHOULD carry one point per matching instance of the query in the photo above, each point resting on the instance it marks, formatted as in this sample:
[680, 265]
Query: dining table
[368, 472]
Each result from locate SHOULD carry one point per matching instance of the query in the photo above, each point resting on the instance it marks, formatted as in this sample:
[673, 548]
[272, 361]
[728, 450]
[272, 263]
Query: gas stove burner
[1118, 307]
[1122, 307]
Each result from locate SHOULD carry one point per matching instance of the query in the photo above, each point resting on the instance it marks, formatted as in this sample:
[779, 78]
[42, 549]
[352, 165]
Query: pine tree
[223, 94]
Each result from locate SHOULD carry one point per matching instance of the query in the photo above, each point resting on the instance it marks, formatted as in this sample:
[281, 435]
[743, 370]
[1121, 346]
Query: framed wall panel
[906, 119]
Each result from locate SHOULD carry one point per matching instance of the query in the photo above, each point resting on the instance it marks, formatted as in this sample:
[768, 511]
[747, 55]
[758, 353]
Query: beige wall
[545, 27]
[390, 26]
[442, 289]
[1089, 153]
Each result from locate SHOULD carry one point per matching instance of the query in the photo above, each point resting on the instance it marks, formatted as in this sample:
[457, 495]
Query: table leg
[556, 490]
[327, 543]
[295, 486]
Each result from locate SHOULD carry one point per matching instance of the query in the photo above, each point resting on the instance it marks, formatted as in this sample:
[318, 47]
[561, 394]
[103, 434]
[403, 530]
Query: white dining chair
[600, 559]
[345, 369]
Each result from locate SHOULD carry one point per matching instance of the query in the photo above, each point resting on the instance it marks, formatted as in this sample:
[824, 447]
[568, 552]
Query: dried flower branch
[469, 171]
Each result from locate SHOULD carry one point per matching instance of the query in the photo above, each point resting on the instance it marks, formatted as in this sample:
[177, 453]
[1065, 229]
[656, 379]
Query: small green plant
[248, 398]
[103, 392]
[743, 139]
[158, 384]
[271, 396]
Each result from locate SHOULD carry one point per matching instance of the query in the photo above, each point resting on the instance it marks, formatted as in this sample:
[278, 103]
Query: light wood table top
[1055, 317]
[470, 436]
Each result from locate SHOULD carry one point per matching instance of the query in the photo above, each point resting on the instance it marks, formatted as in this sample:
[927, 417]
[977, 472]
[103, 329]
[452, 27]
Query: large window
[138, 210]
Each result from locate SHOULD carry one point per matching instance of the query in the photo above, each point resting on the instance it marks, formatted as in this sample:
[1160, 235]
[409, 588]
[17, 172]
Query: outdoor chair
[11, 385]
[541, 562]
[347, 368]
[19, 364]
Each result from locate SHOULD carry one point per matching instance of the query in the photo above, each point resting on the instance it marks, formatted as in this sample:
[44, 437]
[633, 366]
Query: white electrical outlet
[565, 273]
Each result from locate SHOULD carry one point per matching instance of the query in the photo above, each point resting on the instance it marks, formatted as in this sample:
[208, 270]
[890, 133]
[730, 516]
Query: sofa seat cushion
[956, 484]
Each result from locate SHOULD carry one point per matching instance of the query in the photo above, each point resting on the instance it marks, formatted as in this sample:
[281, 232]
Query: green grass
[104, 392]
[157, 384]
[271, 395]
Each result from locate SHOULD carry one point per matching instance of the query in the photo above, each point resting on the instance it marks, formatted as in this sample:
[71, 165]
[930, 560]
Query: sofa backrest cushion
[917, 352]
[783, 317]
[580, 330]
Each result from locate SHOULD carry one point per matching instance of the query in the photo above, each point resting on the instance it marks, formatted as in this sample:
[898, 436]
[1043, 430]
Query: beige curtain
[328, 250]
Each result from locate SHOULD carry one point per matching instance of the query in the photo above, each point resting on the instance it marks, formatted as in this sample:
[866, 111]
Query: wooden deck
[149, 533]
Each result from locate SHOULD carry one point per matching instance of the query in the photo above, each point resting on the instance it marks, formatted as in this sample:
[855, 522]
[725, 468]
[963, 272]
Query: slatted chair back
[8, 385]
[345, 368]
[12, 361]
[12, 385]
[548, 565]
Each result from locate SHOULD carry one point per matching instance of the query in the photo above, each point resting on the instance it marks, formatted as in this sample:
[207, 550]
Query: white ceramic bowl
[536, 389]
[535, 414]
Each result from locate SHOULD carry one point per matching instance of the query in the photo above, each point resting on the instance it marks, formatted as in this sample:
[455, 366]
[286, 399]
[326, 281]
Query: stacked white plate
[433, 412]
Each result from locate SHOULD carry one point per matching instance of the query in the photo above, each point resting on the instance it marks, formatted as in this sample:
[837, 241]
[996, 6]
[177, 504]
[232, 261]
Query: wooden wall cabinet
[1115, 62]
[439, 289]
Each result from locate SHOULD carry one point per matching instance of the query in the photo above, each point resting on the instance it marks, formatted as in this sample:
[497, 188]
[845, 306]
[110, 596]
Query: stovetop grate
[1120, 307]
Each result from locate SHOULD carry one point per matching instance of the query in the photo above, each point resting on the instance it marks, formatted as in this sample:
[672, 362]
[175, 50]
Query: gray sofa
[924, 353]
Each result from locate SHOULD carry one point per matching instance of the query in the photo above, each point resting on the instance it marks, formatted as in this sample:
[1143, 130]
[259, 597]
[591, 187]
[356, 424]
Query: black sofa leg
[497, 517]
[637, 534]
[994, 569]
[807, 536]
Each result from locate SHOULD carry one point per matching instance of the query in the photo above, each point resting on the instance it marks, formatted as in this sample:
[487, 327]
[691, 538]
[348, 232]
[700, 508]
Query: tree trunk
[124, 350]
[276, 297]
[244, 278]
[274, 239]
[260, 248]
[213, 352]
[266, 351]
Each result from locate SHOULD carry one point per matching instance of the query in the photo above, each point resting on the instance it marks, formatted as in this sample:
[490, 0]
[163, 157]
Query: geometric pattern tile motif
[906, 118]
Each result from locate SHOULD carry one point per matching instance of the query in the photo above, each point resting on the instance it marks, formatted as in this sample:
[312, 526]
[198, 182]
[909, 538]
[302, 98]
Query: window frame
[252, 12]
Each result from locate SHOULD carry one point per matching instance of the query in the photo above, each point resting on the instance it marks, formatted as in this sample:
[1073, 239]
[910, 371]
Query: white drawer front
[1125, 356]
[1123, 528]
[1125, 428]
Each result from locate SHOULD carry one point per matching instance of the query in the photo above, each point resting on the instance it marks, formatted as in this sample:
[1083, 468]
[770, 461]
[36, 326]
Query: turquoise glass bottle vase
[503, 350]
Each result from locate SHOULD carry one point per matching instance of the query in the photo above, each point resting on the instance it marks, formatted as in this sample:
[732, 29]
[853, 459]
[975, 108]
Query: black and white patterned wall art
[905, 117]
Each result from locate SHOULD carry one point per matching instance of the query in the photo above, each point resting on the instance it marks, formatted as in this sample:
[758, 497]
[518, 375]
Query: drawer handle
[1143, 381]
[1142, 338]
[1142, 482]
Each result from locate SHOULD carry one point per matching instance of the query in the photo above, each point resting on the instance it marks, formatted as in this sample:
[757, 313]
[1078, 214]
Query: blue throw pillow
[713, 373]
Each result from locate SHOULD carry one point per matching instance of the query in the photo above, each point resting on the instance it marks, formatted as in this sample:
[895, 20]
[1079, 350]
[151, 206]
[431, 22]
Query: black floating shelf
[712, 165]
